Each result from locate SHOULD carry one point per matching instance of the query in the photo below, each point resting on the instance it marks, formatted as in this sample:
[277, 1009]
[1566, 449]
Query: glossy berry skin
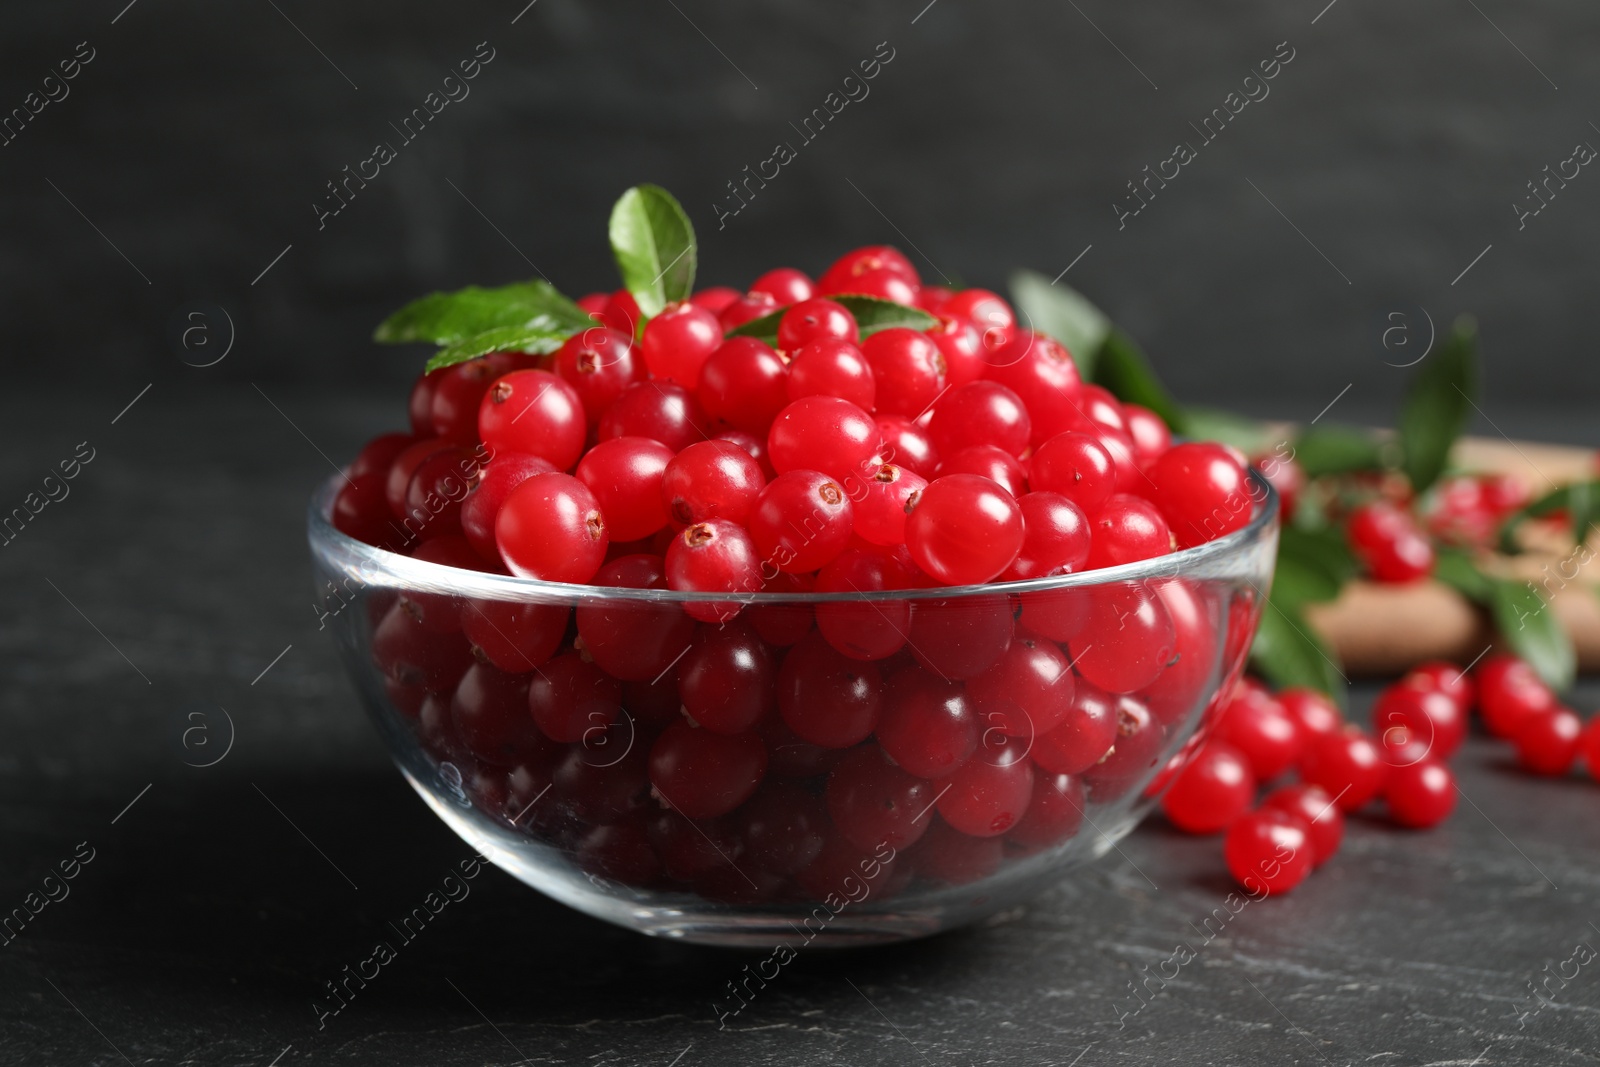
[908, 369]
[1315, 713]
[1434, 720]
[1509, 691]
[827, 698]
[713, 557]
[711, 480]
[1440, 677]
[437, 490]
[875, 803]
[744, 384]
[701, 774]
[905, 444]
[1084, 735]
[441, 612]
[1054, 813]
[514, 637]
[1347, 765]
[1055, 538]
[1148, 431]
[535, 412]
[1214, 789]
[1322, 816]
[420, 404]
[1027, 692]
[361, 510]
[496, 481]
[883, 284]
[802, 520]
[458, 392]
[980, 413]
[1421, 794]
[963, 637]
[1202, 492]
[961, 345]
[785, 285]
[662, 411]
[965, 530]
[1077, 466]
[823, 433]
[621, 313]
[1547, 742]
[832, 368]
[853, 264]
[866, 630]
[1268, 851]
[1196, 624]
[677, 342]
[986, 310]
[551, 528]
[987, 461]
[727, 679]
[990, 794]
[1266, 735]
[599, 364]
[929, 727]
[716, 298]
[1126, 529]
[882, 501]
[1389, 544]
[490, 710]
[747, 308]
[568, 697]
[1127, 639]
[625, 475]
[631, 639]
[404, 467]
[1040, 370]
[816, 319]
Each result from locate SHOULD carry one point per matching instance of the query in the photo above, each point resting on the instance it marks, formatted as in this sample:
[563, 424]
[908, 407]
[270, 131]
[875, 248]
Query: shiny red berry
[1269, 851]
[1547, 741]
[1315, 805]
[964, 530]
[535, 412]
[625, 475]
[551, 527]
[1214, 789]
[1421, 794]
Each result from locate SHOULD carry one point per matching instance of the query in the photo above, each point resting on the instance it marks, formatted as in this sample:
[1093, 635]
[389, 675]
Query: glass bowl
[1028, 727]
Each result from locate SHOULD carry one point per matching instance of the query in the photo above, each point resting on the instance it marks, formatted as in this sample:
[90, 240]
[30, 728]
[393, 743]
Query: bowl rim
[363, 560]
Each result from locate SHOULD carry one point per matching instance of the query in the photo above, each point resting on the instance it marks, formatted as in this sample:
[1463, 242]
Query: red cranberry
[875, 803]
[1028, 691]
[1055, 538]
[1420, 794]
[946, 855]
[551, 528]
[880, 506]
[513, 636]
[662, 411]
[1214, 789]
[867, 630]
[711, 480]
[677, 342]
[1127, 638]
[783, 827]
[599, 364]
[713, 557]
[1201, 491]
[1127, 529]
[827, 698]
[963, 637]
[727, 679]
[570, 696]
[1348, 765]
[1084, 736]
[744, 384]
[1322, 816]
[980, 413]
[831, 367]
[1509, 691]
[701, 774]
[1547, 741]
[965, 530]
[928, 726]
[495, 482]
[815, 320]
[906, 444]
[1269, 851]
[802, 520]
[785, 285]
[1315, 714]
[534, 411]
[1055, 812]
[1263, 732]
[1077, 466]
[625, 474]
[823, 433]
[990, 793]
[631, 639]
[490, 709]
[987, 461]
[908, 369]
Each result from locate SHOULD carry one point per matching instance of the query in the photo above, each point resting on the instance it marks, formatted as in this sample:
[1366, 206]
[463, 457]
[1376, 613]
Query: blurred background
[189, 153]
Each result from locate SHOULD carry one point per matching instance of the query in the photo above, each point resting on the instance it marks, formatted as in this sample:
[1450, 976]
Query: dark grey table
[172, 584]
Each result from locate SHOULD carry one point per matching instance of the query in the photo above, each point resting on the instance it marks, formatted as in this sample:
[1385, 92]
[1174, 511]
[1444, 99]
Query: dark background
[174, 579]
[1000, 136]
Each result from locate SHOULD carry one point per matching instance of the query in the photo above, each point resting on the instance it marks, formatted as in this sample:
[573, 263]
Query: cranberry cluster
[753, 749]
[1420, 721]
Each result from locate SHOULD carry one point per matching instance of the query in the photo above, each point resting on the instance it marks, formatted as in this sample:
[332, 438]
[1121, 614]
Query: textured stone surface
[204, 926]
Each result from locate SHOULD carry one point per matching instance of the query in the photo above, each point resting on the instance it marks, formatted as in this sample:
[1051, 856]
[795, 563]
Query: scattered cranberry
[1389, 543]
[1211, 792]
[1322, 816]
[1547, 741]
[1269, 851]
[1348, 765]
[1420, 794]
[1509, 692]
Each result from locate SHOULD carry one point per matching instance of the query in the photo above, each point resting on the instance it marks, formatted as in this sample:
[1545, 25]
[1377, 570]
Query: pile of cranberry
[1419, 723]
[749, 750]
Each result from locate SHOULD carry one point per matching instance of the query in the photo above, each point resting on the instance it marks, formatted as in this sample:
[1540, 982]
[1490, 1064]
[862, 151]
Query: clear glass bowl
[1041, 791]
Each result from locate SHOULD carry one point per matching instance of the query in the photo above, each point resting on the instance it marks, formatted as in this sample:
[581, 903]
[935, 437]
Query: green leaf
[445, 318]
[1248, 435]
[1436, 405]
[1313, 565]
[1526, 621]
[1581, 500]
[653, 240]
[1122, 368]
[1288, 652]
[871, 315]
[1063, 313]
[1336, 449]
[499, 339]
[1455, 568]
[1324, 547]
